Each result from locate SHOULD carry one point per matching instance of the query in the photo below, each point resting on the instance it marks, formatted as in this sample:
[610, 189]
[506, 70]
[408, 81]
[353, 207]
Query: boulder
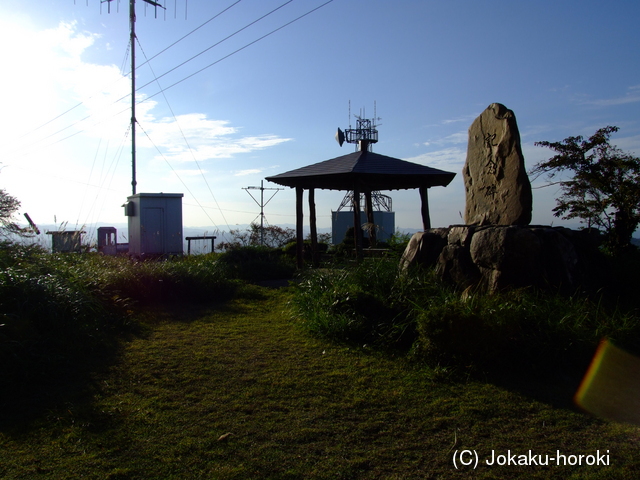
[499, 257]
[498, 191]
[508, 256]
[455, 264]
[424, 247]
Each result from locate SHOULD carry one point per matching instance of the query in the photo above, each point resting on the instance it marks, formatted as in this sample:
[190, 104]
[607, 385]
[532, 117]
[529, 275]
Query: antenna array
[365, 134]
[262, 204]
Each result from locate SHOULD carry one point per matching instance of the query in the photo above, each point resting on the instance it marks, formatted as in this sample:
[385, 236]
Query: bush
[355, 304]
[255, 263]
[515, 330]
[59, 309]
[50, 317]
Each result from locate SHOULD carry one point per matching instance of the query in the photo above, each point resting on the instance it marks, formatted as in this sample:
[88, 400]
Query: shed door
[153, 231]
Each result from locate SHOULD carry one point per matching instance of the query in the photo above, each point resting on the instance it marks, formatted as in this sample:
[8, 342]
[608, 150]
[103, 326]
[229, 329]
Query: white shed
[155, 224]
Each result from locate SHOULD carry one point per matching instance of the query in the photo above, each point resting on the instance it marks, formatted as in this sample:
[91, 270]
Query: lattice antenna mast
[364, 135]
[379, 202]
[132, 41]
[261, 204]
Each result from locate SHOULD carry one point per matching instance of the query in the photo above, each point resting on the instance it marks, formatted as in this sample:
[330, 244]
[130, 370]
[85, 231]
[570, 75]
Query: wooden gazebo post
[313, 227]
[357, 230]
[370, 220]
[424, 198]
[299, 233]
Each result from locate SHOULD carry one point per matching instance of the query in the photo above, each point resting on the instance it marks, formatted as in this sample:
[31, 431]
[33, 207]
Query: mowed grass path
[240, 391]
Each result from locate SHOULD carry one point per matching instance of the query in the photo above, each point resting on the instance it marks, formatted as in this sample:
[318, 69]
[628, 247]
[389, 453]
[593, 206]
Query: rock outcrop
[498, 257]
[498, 191]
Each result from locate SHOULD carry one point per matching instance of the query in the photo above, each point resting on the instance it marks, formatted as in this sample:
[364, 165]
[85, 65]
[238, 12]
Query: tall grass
[366, 303]
[373, 303]
[66, 309]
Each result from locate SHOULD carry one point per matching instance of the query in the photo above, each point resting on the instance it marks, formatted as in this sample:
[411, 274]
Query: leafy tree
[605, 188]
[8, 207]
[274, 237]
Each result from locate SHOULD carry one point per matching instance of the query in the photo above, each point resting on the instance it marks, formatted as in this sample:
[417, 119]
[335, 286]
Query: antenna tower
[364, 135]
[132, 41]
[262, 204]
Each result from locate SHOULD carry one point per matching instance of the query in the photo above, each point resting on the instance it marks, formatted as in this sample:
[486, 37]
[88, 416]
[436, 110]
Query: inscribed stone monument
[497, 187]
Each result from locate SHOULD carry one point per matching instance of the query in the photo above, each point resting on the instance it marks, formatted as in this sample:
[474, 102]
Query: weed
[373, 303]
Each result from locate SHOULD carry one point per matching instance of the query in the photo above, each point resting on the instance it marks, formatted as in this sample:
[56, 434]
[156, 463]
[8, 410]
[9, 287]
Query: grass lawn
[238, 390]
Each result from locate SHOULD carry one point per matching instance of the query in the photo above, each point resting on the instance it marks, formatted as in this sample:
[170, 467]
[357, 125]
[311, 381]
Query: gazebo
[362, 171]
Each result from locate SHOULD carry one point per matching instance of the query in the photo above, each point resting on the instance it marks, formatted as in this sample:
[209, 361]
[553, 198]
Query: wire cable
[176, 174]
[217, 43]
[191, 32]
[178, 82]
[234, 52]
[185, 138]
[124, 76]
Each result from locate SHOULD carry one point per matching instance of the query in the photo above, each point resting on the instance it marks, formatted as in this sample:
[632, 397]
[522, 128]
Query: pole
[357, 230]
[313, 227]
[299, 234]
[370, 218]
[262, 212]
[132, 21]
[424, 210]
[261, 204]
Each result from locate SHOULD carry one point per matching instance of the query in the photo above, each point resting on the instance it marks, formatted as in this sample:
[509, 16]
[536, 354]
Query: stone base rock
[497, 257]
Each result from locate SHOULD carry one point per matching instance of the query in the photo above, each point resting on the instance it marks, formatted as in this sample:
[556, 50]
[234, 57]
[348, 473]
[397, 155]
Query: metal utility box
[342, 220]
[155, 224]
[66, 241]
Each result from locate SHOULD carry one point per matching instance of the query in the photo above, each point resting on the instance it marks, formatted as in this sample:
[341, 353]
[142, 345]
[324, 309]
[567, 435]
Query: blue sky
[431, 67]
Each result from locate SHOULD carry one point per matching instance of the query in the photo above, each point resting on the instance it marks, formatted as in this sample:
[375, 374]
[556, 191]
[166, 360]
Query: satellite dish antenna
[340, 136]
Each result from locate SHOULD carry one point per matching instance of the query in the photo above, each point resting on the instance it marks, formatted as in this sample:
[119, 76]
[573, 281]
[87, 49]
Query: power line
[178, 82]
[238, 50]
[120, 79]
[262, 204]
[191, 32]
[185, 138]
[176, 174]
[218, 43]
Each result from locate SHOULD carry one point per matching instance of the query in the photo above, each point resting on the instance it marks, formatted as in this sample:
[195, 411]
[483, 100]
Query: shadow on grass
[56, 385]
[555, 385]
[45, 391]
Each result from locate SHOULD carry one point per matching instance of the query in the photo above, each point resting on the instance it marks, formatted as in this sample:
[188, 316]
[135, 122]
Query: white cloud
[449, 159]
[56, 71]
[632, 96]
[249, 171]
[453, 139]
[66, 115]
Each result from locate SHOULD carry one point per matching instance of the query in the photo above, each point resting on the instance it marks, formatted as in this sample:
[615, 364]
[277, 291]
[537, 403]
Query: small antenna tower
[364, 135]
[132, 41]
[261, 204]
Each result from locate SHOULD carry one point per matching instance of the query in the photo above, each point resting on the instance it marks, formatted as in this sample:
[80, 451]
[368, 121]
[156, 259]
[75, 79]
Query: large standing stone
[496, 182]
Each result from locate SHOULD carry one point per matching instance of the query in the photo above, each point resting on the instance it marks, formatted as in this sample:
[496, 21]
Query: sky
[230, 92]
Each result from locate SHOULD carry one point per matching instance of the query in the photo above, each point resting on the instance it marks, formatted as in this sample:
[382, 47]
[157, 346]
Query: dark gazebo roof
[364, 170]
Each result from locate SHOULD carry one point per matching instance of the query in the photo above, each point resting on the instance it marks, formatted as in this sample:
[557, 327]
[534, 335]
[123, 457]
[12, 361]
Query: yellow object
[611, 386]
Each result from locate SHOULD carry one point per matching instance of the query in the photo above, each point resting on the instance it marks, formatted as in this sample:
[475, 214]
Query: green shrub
[354, 304]
[254, 263]
[59, 309]
[291, 249]
[514, 330]
[49, 317]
